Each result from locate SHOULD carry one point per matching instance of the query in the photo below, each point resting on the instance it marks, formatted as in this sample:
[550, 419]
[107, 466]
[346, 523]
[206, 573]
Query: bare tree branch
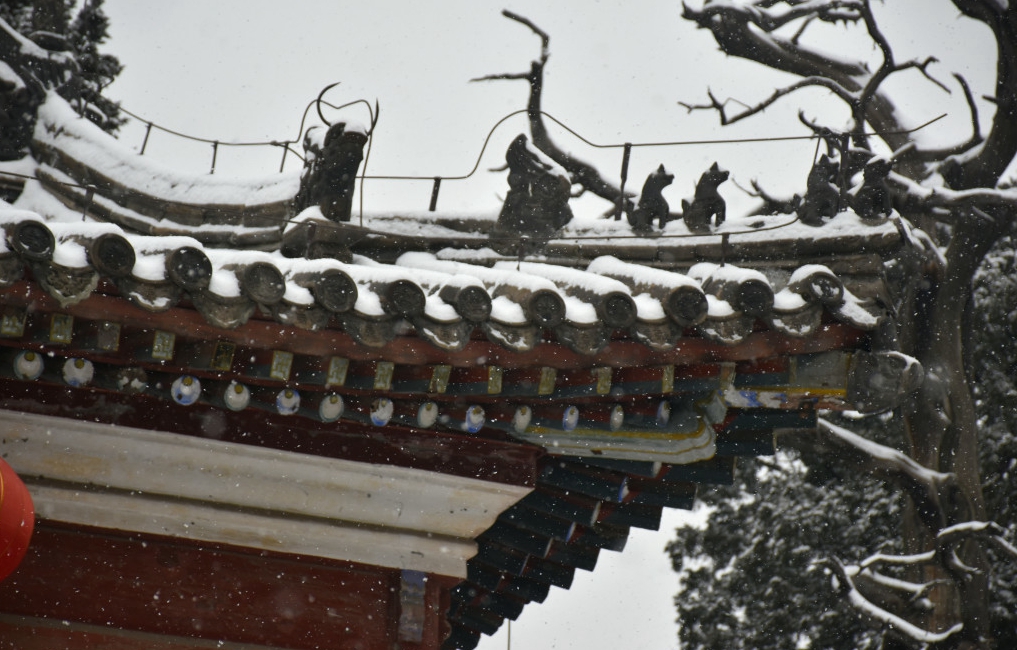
[976, 139]
[582, 173]
[801, 30]
[771, 204]
[719, 106]
[860, 106]
[1000, 147]
[745, 31]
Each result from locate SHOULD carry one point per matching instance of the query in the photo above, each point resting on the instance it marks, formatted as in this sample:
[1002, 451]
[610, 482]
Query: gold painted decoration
[61, 328]
[603, 377]
[12, 323]
[439, 378]
[383, 375]
[337, 368]
[162, 345]
[282, 364]
[494, 380]
[547, 378]
[222, 356]
[667, 379]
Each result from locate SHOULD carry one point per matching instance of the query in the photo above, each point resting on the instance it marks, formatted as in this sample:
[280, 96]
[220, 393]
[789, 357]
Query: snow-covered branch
[932, 492]
[876, 595]
[908, 632]
[765, 17]
[949, 540]
[746, 30]
[915, 589]
[989, 205]
[899, 560]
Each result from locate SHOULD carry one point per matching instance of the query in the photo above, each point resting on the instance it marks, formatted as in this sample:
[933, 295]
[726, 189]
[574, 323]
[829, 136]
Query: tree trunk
[942, 434]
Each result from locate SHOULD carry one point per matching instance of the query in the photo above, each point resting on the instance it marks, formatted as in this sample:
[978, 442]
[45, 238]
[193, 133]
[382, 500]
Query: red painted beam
[485, 458]
[412, 350]
[106, 584]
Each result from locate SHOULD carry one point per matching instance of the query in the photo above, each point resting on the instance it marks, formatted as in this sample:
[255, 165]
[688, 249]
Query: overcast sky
[244, 70]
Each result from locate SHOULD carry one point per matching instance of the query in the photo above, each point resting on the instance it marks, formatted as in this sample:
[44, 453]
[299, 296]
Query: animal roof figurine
[652, 204]
[707, 202]
[333, 161]
[872, 199]
[539, 189]
[822, 198]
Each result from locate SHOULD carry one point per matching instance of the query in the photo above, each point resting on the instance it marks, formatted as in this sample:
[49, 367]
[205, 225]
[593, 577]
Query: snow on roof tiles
[516, 289]
[458, 275]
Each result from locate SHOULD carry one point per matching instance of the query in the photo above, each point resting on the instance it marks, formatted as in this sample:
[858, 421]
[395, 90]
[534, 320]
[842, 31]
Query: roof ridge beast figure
[652, 204]
[707, 202]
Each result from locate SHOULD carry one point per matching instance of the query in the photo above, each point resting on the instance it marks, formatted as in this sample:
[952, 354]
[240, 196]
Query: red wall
[87, 588]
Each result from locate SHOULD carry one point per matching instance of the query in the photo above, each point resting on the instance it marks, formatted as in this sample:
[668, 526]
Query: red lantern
[17, 519]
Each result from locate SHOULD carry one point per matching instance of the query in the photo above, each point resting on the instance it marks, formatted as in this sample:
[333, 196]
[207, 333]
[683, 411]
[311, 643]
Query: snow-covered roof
[83, 167]
[522, 299]
[628, 357]
[590, 280]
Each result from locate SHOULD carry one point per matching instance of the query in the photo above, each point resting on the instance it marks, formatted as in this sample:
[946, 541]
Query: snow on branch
[885, 456]
[858, 88]
[873, 612]
[876, 595]
[948, 539]
[916, 589]
[880, 583]
[980, 203]
[747, 30]
[900, 560]
[935, 494]
[763, 15]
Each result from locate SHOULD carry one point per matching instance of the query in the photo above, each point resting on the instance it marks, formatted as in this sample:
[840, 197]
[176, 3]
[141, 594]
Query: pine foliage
[54, 25]
[993, 370]
[87, 32]
[755, 576]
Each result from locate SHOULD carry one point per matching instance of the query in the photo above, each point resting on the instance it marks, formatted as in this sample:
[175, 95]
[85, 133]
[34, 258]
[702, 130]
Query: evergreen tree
[87, 32]
[87, 71]
[757, 576]
[993, 368]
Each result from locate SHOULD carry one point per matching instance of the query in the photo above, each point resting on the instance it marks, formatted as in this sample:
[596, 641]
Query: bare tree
[940, 470]
[955, 196]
